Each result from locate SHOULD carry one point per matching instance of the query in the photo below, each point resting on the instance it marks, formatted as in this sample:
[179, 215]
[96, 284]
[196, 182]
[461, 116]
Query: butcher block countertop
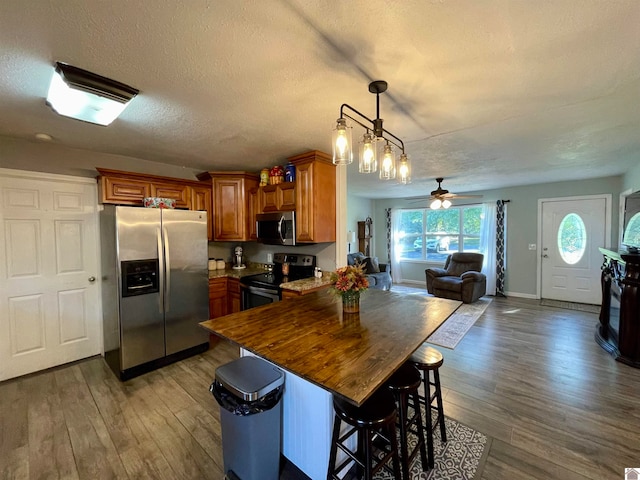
[348, 354]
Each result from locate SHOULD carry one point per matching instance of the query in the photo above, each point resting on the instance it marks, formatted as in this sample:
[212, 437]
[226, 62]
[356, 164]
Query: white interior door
[572, 231]
[49, 277]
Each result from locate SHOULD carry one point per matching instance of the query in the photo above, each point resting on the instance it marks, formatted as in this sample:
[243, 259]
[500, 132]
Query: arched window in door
[572, 238]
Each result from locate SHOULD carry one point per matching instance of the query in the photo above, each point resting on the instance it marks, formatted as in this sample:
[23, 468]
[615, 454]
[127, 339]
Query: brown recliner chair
[460, 279]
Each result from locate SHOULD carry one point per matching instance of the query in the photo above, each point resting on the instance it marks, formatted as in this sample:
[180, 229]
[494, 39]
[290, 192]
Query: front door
[49, 278]
[572, 231]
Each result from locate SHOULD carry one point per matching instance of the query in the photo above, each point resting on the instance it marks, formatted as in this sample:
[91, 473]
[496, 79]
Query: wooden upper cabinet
[255, 207]
[315, 197]
[122, 190]
[128, 188]
[279, 197]
[231, 204]
[179, 192]
[201, 200]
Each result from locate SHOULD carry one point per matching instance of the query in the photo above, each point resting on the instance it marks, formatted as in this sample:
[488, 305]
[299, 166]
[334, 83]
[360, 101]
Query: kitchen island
[324, 352]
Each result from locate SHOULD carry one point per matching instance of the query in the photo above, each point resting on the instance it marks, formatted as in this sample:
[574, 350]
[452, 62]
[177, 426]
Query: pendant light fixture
[374, 133]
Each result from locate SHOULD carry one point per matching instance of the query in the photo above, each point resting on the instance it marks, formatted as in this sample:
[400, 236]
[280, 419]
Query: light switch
[269, 257]
[532, 246]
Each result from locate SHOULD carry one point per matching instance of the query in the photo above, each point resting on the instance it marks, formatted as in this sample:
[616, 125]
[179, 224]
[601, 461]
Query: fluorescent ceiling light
[83, 95]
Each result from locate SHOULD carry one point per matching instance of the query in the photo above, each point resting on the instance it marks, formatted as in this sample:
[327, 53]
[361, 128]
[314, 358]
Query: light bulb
[368, 163]
[388, 166]
[436, 204]
[404, 170]
[446, 204]
[342, 143]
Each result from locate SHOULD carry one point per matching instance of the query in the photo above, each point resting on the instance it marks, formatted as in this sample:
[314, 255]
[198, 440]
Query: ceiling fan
[441, 198]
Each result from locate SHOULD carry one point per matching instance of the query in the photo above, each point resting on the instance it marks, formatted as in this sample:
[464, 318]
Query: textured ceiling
[487, 93]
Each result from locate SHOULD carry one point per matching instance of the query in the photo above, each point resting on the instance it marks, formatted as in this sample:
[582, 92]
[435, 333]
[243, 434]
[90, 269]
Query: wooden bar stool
[374, 419]
[404, 384]
[428, 360]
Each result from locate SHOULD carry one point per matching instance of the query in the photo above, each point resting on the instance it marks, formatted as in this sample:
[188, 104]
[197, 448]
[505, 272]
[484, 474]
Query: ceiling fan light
[446, 203]
[388, 163]
[368, 161]
[79, 94]
[435, 204]
[404, 169]
[342, 154]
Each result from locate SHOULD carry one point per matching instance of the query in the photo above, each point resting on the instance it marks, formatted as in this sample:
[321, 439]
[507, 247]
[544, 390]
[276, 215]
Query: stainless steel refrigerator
[154, 286]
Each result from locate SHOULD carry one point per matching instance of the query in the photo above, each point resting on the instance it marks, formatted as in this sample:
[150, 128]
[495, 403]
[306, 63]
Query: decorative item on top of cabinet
[315, 197]
[231, 194]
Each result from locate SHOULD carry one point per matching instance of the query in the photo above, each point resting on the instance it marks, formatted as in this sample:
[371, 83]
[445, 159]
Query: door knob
[545, 256]
[92, 279]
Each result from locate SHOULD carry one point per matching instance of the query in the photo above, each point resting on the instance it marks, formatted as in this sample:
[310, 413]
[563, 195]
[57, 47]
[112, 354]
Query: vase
[351, 302]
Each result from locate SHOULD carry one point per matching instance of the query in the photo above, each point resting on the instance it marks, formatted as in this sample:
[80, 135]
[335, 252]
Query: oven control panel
[295, 259]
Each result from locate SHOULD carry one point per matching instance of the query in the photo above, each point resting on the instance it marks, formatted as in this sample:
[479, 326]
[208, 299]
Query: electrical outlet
[269, 257]
[532, 246]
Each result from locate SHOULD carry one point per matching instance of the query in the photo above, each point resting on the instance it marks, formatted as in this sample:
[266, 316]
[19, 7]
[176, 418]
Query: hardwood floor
[555, 405]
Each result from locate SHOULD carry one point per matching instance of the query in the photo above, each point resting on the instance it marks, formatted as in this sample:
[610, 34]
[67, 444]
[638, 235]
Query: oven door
[256, 296]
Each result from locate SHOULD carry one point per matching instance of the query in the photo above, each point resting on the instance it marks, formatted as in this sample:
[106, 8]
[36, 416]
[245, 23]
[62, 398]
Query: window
[431, 235]
[632, 232]
[572, 238]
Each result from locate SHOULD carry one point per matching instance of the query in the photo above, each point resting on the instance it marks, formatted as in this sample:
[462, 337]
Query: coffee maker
[237, 259]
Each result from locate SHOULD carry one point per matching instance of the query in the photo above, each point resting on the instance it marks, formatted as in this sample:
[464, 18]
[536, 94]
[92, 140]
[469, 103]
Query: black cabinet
[619, 329]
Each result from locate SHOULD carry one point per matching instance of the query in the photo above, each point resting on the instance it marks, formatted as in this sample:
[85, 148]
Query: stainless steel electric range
[264, 288]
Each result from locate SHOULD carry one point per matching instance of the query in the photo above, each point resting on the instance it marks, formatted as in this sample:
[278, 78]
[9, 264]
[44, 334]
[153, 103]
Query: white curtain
[488, 245]
[396, 272]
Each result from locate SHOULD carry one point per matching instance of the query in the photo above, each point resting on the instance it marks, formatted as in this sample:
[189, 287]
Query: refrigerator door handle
[160, 270]
[167, 269]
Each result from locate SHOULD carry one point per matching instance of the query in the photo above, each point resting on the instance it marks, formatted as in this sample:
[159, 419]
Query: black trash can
[249, 390]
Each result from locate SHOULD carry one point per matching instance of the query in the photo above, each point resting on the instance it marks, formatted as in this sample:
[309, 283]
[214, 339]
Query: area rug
[461, 457]
[582, 307]
[459, 323]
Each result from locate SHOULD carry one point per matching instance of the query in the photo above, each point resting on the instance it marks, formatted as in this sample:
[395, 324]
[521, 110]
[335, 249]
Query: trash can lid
[250, 378]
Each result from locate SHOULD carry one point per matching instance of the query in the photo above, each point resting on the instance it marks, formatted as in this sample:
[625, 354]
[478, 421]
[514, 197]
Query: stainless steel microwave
[276, 228]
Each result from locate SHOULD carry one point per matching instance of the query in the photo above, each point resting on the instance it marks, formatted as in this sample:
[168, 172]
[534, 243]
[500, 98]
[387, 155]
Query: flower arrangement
[349, 279]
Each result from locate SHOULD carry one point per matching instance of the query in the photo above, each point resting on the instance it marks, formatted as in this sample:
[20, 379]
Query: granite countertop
[308, 283]
[253, 269]
[231, 273]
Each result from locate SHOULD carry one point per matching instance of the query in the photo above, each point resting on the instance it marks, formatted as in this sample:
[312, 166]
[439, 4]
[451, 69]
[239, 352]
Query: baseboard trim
[522, 295]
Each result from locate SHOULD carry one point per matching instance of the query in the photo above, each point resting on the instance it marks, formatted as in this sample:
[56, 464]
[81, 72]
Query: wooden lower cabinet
[224, 298]
[218, 304]
[233, 295]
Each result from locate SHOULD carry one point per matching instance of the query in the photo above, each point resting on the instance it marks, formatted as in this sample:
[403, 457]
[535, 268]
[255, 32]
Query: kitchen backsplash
[256, 252]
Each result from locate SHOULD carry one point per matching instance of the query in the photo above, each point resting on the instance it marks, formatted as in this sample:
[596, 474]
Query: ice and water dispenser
[139, 277]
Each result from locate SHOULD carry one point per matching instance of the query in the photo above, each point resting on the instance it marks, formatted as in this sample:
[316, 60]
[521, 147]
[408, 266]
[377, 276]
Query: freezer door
[187, 278]
[141, 316]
